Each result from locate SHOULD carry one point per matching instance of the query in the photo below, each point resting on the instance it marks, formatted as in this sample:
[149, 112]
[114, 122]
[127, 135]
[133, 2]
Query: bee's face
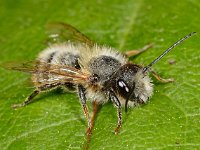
[131, 84]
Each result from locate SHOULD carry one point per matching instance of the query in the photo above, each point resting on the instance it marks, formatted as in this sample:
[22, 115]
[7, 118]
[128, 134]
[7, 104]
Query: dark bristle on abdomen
[70, 86]
[51, 57]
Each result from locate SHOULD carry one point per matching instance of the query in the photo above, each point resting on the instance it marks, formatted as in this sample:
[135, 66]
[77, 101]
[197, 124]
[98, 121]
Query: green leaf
[55, 120]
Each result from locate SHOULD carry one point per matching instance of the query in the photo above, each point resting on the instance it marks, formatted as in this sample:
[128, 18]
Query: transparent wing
[29, 66]
[62, 32]
[56, 73]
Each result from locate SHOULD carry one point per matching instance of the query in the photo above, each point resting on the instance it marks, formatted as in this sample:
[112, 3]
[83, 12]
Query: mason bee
[98, 73]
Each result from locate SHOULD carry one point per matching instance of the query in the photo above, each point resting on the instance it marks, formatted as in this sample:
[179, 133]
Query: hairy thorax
[102, 67]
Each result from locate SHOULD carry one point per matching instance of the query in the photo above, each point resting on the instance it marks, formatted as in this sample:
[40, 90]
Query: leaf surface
[55, 120]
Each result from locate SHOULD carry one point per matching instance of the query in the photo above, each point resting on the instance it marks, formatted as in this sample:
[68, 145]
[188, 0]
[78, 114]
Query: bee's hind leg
[162, 80]
[46, 87]
[28, 99]
[137, 52]
[82, 97]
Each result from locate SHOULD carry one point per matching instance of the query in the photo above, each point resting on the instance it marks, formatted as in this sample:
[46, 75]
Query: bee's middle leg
[95, 107]
[82, 97]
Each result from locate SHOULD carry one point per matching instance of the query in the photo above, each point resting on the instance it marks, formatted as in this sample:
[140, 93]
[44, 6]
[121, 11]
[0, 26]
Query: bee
[98, 73]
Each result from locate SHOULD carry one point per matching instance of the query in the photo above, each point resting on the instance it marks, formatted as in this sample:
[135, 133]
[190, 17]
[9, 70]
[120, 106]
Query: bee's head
[132, 85]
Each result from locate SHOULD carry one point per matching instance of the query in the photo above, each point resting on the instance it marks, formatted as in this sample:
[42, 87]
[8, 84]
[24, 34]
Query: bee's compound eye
[123, 88]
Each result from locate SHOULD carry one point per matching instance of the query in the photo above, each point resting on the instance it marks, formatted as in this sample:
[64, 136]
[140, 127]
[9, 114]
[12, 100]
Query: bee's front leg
[117, 103]
[82, 97]
[137, 52]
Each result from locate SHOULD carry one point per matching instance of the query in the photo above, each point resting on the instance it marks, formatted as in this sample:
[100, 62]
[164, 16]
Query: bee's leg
[136, 52]
[28, 100]
[159, 78]
[117, 103]
[46, 87]
[81, 92]
[95, 107]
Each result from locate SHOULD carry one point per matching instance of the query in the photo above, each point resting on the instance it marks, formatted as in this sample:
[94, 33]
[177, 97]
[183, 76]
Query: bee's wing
[62, 32]
[56, 73]
[27, 66]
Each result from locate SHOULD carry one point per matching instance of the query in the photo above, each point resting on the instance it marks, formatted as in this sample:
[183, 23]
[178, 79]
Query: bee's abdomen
[62, 54]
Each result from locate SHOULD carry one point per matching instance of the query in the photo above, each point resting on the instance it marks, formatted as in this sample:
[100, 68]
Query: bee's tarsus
[117, 129]
[27, 101]
[15, 106]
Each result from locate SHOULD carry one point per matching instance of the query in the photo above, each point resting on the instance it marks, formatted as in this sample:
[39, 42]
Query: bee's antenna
[145, 69]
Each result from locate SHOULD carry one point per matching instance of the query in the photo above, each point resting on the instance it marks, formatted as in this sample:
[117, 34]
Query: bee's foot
[14, 106]
[89, 131]
[167, 80]
[117, 130]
